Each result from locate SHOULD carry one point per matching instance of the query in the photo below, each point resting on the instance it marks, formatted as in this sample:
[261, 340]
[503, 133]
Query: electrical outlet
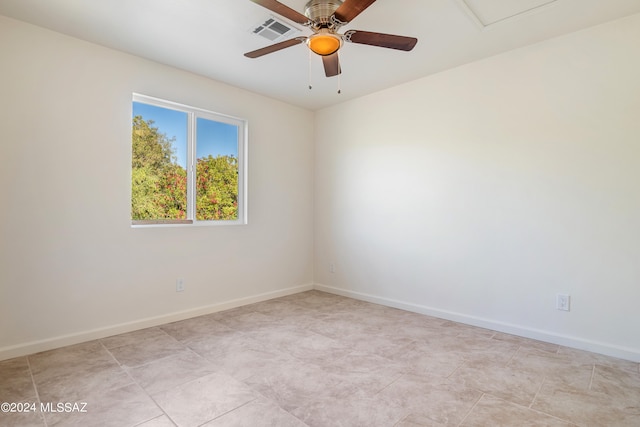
[563, 302]
[332, 268]
[179, 285]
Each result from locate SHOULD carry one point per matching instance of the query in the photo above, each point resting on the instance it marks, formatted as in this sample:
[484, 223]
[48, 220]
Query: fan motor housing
[320, 11]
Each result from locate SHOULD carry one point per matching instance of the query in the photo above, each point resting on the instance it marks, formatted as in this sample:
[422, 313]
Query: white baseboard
[547, 336]
[523, 331]
[84, 336]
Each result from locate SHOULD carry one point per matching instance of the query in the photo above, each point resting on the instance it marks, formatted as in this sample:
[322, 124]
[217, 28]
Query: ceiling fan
[324, 18]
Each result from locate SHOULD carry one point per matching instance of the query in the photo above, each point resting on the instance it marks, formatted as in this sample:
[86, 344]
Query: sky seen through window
[212, 137]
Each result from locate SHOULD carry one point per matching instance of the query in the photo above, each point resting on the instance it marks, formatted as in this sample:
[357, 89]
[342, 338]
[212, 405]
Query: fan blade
[382, 40]
[331, 65]
[274, 47]
[281, 9]
[350, 9]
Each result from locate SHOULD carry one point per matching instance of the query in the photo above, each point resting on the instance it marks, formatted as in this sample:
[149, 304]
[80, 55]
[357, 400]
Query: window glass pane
[216, 170]
[159, 163]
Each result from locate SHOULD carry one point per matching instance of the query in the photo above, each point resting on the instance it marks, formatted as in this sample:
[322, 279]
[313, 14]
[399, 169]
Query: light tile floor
[316, 359]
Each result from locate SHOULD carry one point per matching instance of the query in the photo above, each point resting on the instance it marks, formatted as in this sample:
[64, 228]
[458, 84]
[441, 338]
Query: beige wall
[71, 267]
[480, 193]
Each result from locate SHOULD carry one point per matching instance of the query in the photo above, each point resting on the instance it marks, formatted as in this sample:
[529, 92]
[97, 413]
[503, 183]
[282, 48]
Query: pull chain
[309, 75]
[309, 69]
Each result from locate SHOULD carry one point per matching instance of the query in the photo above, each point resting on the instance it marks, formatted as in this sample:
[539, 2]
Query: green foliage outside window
[159, 184]
[217, 188]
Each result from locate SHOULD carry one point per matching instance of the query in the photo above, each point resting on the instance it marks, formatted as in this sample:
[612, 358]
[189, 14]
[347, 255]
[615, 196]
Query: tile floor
[316, 359]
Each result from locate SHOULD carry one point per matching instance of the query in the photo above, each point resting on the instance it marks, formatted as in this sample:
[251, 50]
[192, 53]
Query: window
[187, 165]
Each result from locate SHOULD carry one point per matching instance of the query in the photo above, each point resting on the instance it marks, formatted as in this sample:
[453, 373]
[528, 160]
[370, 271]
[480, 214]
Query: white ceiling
[209, 37]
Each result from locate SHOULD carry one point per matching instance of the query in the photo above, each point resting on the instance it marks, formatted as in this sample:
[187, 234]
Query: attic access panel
[489, 12]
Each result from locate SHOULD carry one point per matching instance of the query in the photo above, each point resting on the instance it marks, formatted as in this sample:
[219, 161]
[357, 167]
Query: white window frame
[193, 113]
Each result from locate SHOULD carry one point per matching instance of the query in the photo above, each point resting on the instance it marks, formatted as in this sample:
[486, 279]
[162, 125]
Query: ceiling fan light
[324, 43]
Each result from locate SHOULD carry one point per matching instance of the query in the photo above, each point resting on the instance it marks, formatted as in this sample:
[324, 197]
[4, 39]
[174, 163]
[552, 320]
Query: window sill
[161, 221]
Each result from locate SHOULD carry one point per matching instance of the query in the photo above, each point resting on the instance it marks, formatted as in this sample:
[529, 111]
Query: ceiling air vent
[274, 30]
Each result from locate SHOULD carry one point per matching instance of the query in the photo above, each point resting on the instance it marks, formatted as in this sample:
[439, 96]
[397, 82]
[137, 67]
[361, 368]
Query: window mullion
[191, 168]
